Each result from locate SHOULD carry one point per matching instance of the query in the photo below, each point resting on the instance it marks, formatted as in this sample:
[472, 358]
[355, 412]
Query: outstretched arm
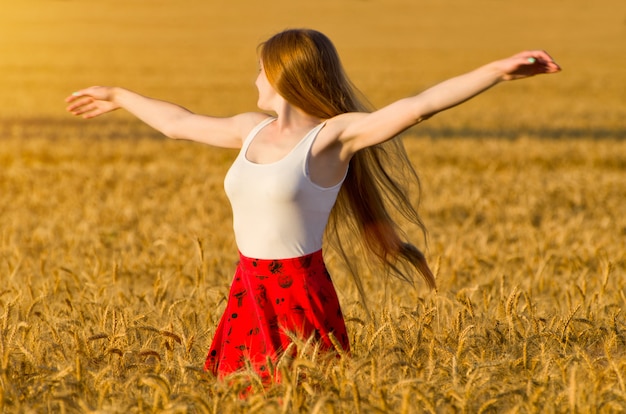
[461, 88]
[172, 120]
[357, 131]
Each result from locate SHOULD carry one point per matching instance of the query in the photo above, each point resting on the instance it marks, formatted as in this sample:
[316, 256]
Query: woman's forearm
[160, 115]
[461, 88]
[457, 90]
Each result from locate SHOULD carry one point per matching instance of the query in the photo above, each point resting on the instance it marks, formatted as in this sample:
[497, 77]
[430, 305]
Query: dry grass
[117, 254]
[116, 250]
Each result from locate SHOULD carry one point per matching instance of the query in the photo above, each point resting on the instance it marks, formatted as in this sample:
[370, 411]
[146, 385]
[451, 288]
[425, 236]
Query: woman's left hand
[528, 63]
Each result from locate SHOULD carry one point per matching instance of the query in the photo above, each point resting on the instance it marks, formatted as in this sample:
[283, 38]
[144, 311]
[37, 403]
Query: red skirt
[268, 299]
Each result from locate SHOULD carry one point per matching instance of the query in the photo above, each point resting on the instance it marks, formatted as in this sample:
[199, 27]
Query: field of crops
[116, 251]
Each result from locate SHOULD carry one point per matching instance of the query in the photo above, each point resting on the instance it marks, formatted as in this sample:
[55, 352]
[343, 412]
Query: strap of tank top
[254, 132]
[312, 135]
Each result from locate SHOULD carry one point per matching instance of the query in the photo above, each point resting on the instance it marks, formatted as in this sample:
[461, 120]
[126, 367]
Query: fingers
[528, 63]
[541, 61]
[87, 107]
[90, 102]
[79, 105]
[77, 94]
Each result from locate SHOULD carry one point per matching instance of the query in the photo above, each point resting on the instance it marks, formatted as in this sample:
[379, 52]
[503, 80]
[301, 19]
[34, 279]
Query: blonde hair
[303, 66]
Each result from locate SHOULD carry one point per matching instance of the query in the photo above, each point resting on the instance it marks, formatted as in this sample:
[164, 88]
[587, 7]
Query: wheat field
[116, 250]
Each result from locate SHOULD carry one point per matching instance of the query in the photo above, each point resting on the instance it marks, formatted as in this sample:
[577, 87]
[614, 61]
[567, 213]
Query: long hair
[304, 67]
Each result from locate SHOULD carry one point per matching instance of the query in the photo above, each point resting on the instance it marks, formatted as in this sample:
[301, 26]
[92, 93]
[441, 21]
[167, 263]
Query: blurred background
[202, 55]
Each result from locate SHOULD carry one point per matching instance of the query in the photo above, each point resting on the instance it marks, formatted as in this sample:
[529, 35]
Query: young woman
[320, 163]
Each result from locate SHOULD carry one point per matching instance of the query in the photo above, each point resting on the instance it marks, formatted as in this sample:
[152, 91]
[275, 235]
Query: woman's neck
[289, 118]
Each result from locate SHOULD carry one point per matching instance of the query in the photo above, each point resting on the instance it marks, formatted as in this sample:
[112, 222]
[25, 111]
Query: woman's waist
[297, 264]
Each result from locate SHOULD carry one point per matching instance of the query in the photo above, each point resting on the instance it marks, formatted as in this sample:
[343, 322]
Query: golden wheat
[116, 256]
[116, 250]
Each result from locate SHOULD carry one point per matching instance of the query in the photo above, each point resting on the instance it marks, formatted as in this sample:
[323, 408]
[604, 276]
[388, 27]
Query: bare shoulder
[246, 121]
[342, 121]
[358, 130]
[227, 132]
[336, 127]
[332, 138]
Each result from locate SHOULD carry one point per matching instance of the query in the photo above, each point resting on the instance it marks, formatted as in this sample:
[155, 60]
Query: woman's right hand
[92, 101]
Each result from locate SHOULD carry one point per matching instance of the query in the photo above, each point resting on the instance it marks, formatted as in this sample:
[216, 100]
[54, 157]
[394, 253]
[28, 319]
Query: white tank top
[278, 212]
